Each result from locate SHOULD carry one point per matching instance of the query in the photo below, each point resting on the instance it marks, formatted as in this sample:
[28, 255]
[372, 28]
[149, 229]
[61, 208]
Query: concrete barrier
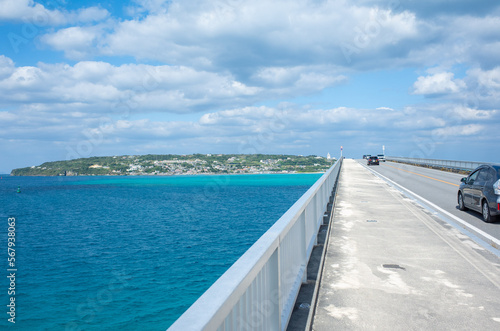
[435, 163]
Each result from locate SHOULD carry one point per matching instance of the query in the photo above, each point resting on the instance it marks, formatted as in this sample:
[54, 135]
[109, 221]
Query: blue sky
[92, 78]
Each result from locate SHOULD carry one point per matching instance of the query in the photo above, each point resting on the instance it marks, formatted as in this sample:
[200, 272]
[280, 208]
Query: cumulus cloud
[296, 119]
[76, 42]
[247, 37]
[31, 12]
[100, 87]
[462, 130]
[257, 129]
[244, 34]
[91, 14]
[479, 89]
[138, 87]
[440, 83]
[465, 113]
[487, 78]
[297, 80]
[6, 67]
[24, 9]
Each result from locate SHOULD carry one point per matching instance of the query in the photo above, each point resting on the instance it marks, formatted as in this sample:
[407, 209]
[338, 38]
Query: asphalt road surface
[391, 264]
[438, 187]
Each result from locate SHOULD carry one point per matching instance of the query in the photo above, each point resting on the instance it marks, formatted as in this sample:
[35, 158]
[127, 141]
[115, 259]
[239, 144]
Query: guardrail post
[304, 239]
[274, 277]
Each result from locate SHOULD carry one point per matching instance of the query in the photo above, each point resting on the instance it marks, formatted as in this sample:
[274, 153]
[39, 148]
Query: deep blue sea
[128, 253]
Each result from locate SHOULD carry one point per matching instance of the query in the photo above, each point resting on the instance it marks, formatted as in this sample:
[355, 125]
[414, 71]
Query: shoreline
[175, 165]
[173, 175]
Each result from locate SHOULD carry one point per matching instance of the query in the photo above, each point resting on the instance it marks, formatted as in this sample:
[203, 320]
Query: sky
[418, 78]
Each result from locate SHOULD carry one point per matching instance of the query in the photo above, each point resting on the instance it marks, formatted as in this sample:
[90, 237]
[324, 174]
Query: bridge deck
[392, 265]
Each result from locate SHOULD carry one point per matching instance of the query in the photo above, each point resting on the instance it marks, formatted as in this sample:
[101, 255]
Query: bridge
[391, 250]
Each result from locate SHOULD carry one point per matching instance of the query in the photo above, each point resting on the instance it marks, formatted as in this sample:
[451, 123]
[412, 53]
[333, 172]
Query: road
[438, 187]
[392, 265]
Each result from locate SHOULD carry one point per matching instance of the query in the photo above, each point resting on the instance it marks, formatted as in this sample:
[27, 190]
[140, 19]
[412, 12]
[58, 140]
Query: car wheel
[461, 204]
[486, 212]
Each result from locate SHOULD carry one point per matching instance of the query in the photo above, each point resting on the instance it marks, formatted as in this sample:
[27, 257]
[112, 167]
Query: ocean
[127, 253]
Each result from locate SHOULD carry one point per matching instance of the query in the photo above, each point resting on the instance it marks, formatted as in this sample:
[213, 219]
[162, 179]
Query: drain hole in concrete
[393, 266]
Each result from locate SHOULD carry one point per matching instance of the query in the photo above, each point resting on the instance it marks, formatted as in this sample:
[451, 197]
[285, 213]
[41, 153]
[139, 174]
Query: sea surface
[128, 253]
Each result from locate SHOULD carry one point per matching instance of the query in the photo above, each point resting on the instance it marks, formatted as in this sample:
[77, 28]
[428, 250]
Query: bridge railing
[259, 290]
[448, 164]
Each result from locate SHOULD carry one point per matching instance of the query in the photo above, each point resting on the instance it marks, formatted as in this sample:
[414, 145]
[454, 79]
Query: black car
[480, 191]
[372, 160]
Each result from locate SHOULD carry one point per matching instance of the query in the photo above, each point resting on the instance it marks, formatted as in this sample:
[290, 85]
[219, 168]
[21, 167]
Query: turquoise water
[128, 253]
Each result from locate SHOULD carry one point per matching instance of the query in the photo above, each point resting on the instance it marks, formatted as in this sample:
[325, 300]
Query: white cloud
[297, 119]
[7, 67]
[441, 83]
[7, 117]
[487, 78]
[100, 87]
[465, 113]
[91, 14]
[299, 79]
[76, 42]
[239, 34]
[282, 122]
[142, 88]
[462, 130]
[262, 128]
[28, 9]
[246, 116]
[244, 36]
[477, 92]
[23, 78]
[31, 12]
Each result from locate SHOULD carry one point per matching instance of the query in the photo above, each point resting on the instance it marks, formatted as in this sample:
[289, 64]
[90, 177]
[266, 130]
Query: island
[171, 164]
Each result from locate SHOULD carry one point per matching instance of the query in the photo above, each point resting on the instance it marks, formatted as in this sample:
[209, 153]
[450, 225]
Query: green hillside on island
[171, 164]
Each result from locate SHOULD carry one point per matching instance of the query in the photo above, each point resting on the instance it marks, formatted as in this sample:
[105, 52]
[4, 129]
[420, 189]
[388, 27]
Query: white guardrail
[259, 290]
[450, 164]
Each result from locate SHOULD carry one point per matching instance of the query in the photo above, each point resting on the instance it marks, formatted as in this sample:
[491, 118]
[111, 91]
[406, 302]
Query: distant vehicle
[381, 157]
[372, 160]
[480, 191]
[364, 157]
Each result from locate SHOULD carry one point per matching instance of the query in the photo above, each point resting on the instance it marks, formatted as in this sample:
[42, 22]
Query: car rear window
[498, 171]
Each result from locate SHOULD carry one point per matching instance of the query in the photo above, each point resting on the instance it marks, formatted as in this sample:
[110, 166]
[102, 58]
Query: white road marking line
[441, 210]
